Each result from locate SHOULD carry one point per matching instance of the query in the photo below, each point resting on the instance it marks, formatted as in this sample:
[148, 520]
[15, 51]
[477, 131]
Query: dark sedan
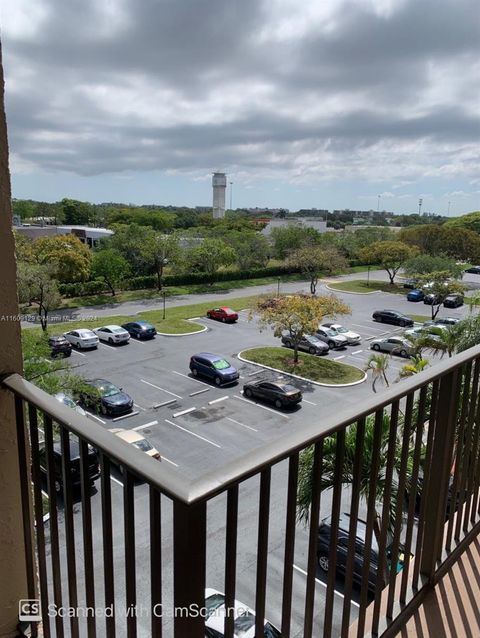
[140, 329]
[308, 343]
[474, 270]
[393, 317]
[105, 397]
[59, 345]
[282, 395]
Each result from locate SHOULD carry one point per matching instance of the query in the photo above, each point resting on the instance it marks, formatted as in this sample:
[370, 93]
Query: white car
[244, 619]
[82, 338]
[137, 440]
[351, 337]
[70, 403]
[112, 334]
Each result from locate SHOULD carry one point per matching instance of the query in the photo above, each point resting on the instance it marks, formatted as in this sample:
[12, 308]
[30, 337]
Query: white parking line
[320, 582]
[187, 411]
[94, 416]
[191, 378]
[164, 458]
[357, 352]
[194, 394]
[80, 354]
[242, 424]
[108, 345]
[146, 425]
[251, 374]
[139, 341]
[259, 405]
[193, 434]
[162, 389]
[309, 402]
[218, 400]
[140, 407]
[342, 356]
[126, 416]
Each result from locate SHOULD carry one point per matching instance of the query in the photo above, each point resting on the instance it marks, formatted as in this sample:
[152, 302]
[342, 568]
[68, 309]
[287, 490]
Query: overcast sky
[320, 103]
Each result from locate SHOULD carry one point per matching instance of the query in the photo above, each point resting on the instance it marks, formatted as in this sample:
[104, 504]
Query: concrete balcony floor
[452, 609]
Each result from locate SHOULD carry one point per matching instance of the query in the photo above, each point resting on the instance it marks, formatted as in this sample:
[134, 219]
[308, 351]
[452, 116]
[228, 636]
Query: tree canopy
[391, 255]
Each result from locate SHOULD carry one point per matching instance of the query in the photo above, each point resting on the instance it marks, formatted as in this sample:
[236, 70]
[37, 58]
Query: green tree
[76, 212]
[470, 221]
[454, 242]
[354, 241]
[425, 264]
[210, 256]
[315, 260]
[439, 285]
[37, 285]
[162, 250]
[445, 340]
[286, 240]
[298, 315]
[378, 365]
[252, 249]
[391, 255]
[109, 265]
[70, 258]
[24, 208]
[130, 241]
[417, 364]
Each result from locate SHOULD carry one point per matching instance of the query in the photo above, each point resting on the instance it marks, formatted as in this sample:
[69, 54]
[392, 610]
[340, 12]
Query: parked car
[309, 343]
[442, 321]
[70, 403]
[351, 337]
[453, 301]
[431, 331]
[432, 299]
[214, 367]
[410, 283]
[415, 295]
[474, 270]
[224, 314]
[138, 441]
[140, 329]
[393, 345]
[331, 337]
[59, 345]
[113, 334]
[93, 467]
[82, 338]
[393, 317]
[281, 394]
[244, 618]
[105, 397]
[343, 539]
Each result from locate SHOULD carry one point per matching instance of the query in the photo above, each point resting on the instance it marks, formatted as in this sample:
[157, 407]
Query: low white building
[299, 222]
[86, 234]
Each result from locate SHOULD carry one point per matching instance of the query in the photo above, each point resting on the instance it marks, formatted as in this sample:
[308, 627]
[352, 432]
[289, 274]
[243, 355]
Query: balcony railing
[406, 463]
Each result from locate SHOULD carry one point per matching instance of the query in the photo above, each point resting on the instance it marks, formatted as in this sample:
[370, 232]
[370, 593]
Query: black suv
[323, 550]
[453, 301]
[93, 467]
[392, 316]
[59, 345]
[140, 329]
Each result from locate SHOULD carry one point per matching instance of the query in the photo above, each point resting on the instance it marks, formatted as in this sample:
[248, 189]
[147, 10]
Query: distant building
[299, 222]
[87, 235]
[219, 184]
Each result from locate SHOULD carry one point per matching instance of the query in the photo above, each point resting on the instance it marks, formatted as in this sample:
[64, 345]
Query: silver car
[309, 343]
[331, 337]
[393, 345]
[352, 337]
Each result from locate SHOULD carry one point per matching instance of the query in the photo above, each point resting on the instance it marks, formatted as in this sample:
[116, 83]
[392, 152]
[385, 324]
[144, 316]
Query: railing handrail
[168, 481]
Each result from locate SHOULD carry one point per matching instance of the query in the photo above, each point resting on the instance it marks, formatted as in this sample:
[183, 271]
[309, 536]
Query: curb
[183, 334]
[349, 292]
[296, 376]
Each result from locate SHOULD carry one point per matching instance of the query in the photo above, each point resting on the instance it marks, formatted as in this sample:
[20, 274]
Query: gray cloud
[189, 85]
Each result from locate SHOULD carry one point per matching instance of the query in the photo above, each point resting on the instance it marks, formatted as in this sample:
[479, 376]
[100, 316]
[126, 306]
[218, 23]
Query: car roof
[112, 326]
[83, 331]
[130, 436]
[216, 621]
[344, 526]
[74, 448]
[208, 355]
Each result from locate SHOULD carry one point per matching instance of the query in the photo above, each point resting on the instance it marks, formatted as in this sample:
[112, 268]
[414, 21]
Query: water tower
[219, 183]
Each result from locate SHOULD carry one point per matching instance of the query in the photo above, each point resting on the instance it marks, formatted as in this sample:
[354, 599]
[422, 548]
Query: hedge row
[150, 281]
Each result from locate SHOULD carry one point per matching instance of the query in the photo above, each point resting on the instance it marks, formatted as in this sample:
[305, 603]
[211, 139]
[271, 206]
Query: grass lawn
[171, 291]
[174, 323]
[309, 366]
[362, 286]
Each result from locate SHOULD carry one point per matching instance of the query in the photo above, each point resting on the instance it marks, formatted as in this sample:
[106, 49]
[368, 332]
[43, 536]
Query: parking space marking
[251, 374]
[133, 340]
[320, 582]
[259, 405]
[342, 356]
[309, 402]
[357, 352]
[218, 400]
[249, 427]
[164, 403]
[187, 411]
[146, 425]
[107, 345]
[140, 407]
[191, 378]
[126, 416]
[80, 354]
[164, 458]
[94, 416]
[194, 394]
[162, 389]
[193, 434]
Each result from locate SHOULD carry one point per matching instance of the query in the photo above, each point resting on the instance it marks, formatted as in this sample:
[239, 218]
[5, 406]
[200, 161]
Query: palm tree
[416, 365]
[445, 340]
[378, 364]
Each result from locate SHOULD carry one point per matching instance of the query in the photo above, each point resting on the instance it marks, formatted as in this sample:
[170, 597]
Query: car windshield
[329, 333]
[271, 631]
[107, 389]
[220, 364]
[213, 602]
[340, 329]
[228, 311]
[69, 402]
[312, 339]
[117, 330]
[143, 445]
[244, 623]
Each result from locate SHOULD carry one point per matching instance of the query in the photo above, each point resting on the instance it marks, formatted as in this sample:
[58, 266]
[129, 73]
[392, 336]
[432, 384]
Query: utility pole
[378, 203]
[420, 202]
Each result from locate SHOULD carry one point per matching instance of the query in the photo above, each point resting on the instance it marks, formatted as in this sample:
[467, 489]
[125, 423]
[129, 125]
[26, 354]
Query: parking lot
[198, 426]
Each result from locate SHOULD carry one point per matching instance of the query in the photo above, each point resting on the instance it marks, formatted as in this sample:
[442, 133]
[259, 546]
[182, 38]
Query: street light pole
[378, 203]
[420, 202]
[278, 287]
[164, 294]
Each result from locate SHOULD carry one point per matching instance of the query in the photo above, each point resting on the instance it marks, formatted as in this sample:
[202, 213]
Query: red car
[222, 314]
